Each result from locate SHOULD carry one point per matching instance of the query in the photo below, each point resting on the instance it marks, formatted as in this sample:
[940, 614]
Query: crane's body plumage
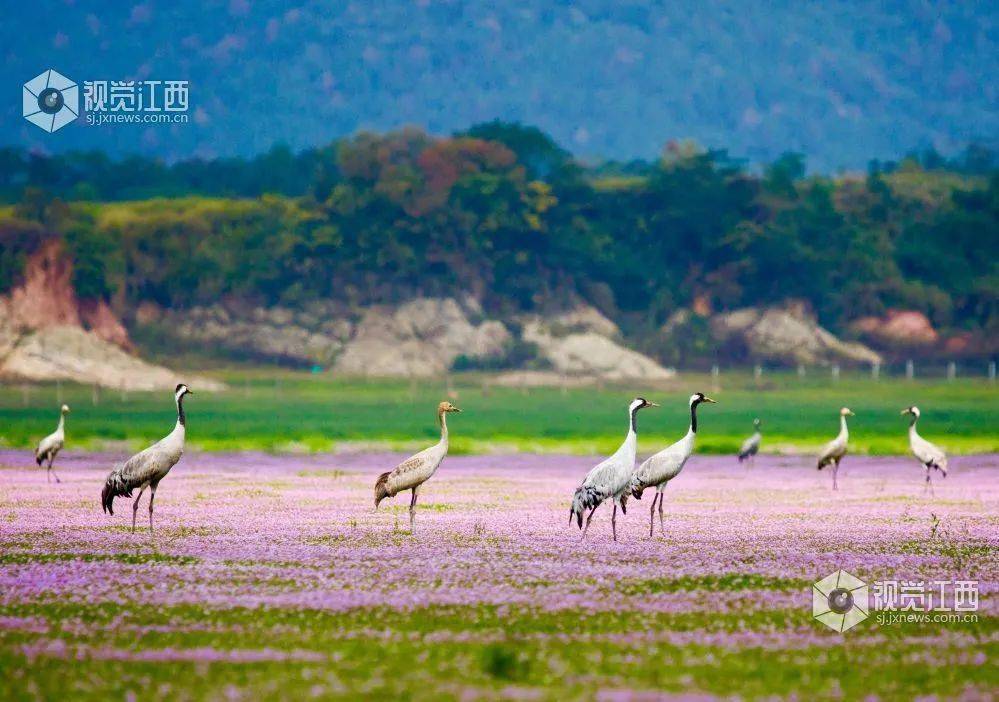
[611, 478]
[930, 455]
[832, 453]
[660, 468]
[148, 467]
[415, 470]
[418, 468]
[49, 447]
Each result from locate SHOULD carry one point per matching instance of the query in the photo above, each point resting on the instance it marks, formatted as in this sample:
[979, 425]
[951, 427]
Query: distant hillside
[841, 81]
[504, 221]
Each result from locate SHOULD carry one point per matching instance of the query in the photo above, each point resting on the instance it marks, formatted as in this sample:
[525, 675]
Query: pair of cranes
[613, 479]
[930, 455]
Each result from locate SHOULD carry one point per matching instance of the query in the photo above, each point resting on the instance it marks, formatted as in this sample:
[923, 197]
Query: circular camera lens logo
[50, 100]
[840, 601]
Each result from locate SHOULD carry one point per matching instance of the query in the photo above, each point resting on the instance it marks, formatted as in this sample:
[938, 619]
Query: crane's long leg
[52, 458]
[929, 483]
[662, 529]
[135, 506]
[834, 471]
[614, 521]
[587, 525]
[152, 494]
[652, 512]
[412, 508]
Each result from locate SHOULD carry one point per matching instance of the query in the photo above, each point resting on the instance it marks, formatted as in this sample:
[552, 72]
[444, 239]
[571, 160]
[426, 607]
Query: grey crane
[657, 470]
[148, 467]
[610, 478]
[930, 455]
[51, 445]
[833, 452]
[417, 469]
[751, 446]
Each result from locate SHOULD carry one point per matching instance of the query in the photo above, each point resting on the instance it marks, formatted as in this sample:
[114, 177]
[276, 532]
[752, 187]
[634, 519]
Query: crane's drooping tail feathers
[381, 489]
[744, 455]
[38, 457]
[114, 487]
[584, 498]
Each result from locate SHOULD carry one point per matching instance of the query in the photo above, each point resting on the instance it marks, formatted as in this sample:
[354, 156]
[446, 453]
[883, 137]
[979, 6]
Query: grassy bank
[277, 410]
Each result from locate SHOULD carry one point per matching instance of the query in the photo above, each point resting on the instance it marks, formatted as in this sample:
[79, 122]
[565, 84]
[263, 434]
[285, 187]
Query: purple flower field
[274, 576]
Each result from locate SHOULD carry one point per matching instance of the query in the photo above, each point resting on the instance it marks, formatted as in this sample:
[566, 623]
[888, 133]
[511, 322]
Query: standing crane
[751, 446]
[51, 445]
[610, 478]
[417, 469]
[657, 470]
[930, 455]
[833, 452]
[148, 467]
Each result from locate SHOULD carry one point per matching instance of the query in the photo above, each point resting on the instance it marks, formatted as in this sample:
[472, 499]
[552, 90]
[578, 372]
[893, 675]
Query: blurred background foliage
[502, 212]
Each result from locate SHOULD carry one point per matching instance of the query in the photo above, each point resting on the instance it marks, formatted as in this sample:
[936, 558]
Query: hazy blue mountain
[842, 82]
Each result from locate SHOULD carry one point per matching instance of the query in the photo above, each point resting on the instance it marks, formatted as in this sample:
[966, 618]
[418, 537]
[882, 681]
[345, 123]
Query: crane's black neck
[912, 420]
[693, 416]
[180, 410]
[634, 418]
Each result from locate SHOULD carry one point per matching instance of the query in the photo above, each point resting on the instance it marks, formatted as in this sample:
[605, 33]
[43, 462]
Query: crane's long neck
[442, 418]
[180, 411]
[912, 425]
[842, 427]
[62, 421]
[693, 418]
[633, 422]
[631, 440]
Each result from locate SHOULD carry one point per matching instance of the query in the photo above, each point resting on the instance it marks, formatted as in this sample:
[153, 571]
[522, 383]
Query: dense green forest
[504, 213]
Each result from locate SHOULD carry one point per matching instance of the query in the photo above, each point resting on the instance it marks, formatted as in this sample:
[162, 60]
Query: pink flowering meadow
[272, 575]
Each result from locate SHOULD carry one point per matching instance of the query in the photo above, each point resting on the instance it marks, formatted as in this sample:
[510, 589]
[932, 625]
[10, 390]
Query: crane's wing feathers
[412, 472]
[831, 451]
[928, 453]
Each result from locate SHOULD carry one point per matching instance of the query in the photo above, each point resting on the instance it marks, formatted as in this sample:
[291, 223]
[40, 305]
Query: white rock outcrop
[581, 342]
[72, 354]
[420, 338]
[787, 335]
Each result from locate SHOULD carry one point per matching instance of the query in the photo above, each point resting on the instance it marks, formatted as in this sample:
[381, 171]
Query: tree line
[502, 212]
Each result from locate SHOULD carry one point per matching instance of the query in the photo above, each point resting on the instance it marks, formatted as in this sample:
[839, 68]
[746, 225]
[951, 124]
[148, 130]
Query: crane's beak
[651, 404]
[905, 411]
[455, 409]
[708, 399]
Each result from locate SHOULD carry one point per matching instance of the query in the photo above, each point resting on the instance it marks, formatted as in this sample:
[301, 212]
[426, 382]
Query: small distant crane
[833, 452]
[751, 446]
[930, 455]
[51, 445]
